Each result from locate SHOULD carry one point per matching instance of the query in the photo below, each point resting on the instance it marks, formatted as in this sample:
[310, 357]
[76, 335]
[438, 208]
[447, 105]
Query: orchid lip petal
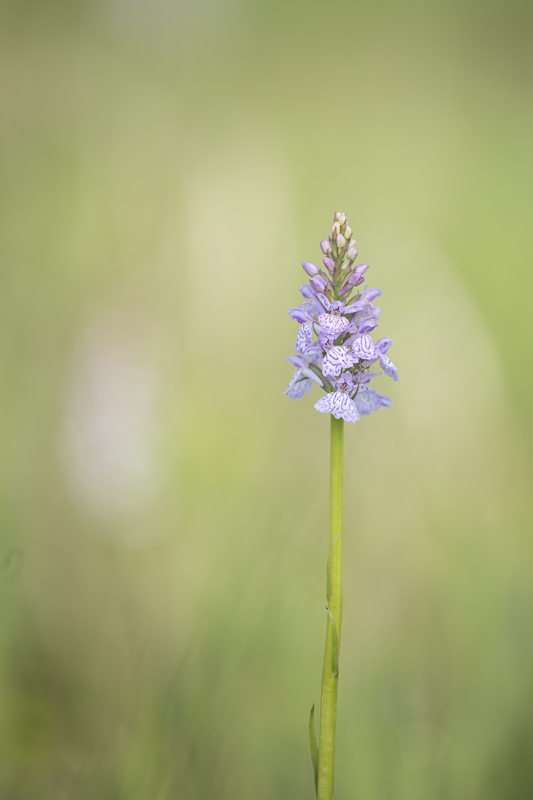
[304, 338]
[297, 387]
[335, 360]
[364, 348]
[340, 405]
[333, 324]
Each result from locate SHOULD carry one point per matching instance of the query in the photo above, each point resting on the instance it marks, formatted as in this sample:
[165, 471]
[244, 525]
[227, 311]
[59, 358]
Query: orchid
[343, 345]
[335, 350]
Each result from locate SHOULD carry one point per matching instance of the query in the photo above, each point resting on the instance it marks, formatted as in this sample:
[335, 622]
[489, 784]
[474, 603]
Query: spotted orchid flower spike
[335, 349]
[344, 351]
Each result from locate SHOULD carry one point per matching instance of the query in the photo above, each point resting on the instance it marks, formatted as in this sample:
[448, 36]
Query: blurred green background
[165, 167]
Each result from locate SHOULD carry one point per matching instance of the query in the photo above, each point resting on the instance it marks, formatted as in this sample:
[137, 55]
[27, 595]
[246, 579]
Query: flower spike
[340, 358]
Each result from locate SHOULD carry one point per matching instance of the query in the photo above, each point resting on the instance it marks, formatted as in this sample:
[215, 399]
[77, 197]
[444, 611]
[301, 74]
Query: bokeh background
[165, 167]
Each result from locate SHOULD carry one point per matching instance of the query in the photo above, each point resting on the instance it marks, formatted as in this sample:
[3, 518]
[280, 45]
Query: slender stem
[330, 673]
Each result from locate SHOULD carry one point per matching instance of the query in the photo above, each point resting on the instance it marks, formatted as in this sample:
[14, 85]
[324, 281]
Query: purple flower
[339, 403]
[333, 321]
[364, 348]
[318, 283]
[356, 279]
[307, 353]
[302, 313]
[340, 356]
[336, 359]
[368, 400]
[310, 268]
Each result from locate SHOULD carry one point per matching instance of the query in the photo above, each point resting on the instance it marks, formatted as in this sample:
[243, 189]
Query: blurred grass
[165, 168]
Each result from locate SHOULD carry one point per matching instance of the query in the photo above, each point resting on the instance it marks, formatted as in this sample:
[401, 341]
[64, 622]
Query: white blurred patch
[450, 370]
[244, 197]
[112, 434]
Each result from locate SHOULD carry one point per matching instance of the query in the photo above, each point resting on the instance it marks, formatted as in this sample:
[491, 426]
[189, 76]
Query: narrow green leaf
[328, 576]
[314, 746]
[335, 648]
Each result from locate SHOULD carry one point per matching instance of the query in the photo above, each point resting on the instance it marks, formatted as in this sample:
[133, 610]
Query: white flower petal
[333, 324]
[364, 348]
[335, 360]
[304, 338]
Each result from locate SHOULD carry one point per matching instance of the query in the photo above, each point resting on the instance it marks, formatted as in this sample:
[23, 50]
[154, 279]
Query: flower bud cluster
[341, 357]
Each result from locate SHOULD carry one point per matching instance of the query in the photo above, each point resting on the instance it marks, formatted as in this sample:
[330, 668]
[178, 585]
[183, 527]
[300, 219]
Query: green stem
[330, 673]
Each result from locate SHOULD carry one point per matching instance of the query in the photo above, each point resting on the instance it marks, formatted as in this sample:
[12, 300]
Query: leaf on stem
[335, 648]
[314, 746]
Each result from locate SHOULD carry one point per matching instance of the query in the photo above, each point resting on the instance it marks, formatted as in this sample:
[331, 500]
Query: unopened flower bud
[352, 253]
[329, 264]
[310, 268]
[318, 283]
[355, 279]
[325, 246]
[335, 230]
[341, 241]
[340, 217]
[348, 232]
[361, 268]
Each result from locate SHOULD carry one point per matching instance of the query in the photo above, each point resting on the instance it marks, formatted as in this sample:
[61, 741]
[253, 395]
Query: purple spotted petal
[325, 404]
[335, 360]
[304, 338]
[340, 405]
[333, 324]
[364, 348]
[369, 400]
[383, 344]
[345, 408]
[297, 388]
[388, 367]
